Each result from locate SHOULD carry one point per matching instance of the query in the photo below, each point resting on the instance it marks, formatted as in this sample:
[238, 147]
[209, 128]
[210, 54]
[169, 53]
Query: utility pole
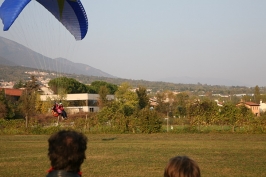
[167, 121]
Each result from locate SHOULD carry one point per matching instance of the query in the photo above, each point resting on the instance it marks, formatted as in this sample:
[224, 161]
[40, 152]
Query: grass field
[138, 155]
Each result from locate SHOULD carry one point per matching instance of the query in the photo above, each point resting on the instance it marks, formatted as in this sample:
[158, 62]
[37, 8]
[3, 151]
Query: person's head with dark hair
[66, 152]
[181, 166]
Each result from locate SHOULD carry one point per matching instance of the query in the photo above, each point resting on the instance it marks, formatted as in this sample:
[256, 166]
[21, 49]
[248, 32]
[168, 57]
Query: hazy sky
[157, 39]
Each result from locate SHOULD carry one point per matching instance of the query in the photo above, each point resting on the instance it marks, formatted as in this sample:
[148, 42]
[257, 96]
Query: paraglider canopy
[69, 12]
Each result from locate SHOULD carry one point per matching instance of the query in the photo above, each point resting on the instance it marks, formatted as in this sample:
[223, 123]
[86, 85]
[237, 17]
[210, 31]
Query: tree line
[132, 111]
[16, 73]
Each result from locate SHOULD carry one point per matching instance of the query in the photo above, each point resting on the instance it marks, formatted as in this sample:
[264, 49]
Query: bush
[15, 126]
[149, 121]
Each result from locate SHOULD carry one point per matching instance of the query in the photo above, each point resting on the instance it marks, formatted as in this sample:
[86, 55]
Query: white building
[91, 101]
[262, 107]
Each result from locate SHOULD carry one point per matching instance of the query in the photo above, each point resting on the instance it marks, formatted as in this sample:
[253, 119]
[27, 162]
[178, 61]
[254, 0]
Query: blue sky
[153, 39]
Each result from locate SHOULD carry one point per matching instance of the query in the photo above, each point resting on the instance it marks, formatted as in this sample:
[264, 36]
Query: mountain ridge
[203, 80]
[15, 54]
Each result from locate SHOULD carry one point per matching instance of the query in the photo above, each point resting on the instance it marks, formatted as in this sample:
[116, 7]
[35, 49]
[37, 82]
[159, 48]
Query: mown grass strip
[142, 155]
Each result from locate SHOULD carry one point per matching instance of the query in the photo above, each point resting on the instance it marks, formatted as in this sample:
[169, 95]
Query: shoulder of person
[59, 173]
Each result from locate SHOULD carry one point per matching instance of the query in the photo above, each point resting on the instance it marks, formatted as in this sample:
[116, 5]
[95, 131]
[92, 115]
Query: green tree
[263, 98]
[27, 104]
[193, 112]
[64, 85]
[103, 92]
[127, 101]
[182, 101]
[33, 84]
[235, 99]
[96, 85]
[46, 105]
[113, 117]
[210, 111]
[28, 99]
[167, 103]
[245, 116]
[204, 112]
[149, 121]
[19, 84]
[230, 115]
[247, 98]
[6, 107]
[3, 110]
[257, 95]
[38, 103]
[162, 106]
[143, 99]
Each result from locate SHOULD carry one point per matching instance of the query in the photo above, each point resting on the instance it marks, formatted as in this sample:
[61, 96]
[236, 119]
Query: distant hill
[16, 73]
[203, 80]
[15, 54]
[6, 62]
